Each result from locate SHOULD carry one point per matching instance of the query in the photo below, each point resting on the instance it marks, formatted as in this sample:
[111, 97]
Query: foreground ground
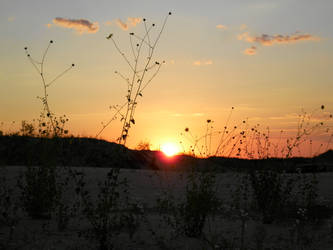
[221, 231]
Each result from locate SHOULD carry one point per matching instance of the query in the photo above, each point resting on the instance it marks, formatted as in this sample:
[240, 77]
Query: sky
[269, 59]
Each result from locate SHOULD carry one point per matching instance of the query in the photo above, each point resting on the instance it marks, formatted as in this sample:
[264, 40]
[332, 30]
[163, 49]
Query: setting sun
[170, 149]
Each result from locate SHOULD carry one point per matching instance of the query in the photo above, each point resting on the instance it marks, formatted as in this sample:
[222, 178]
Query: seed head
[51, 41]
[73, 64]
[25, 48]
[322, 107]
[187, 129]
[170, 13]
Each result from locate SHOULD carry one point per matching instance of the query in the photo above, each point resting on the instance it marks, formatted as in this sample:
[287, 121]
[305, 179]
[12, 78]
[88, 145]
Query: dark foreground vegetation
[82, 193]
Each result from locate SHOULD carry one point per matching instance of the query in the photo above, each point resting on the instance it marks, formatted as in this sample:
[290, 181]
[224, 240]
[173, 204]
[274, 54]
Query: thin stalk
[40, 70]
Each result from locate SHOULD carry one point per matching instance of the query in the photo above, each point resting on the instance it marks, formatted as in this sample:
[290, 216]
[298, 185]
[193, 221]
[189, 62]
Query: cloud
[243, 27]
[131, 22]
[243, 36]
[80, 25]
[201, 63]
[221, 27]
[250, 51]
[269, 40]
[108, 23]
[122, 25]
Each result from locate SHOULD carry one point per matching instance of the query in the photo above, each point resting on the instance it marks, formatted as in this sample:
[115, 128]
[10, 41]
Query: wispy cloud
[108, 23]
[202, 63]
[243, 27]
[122, 25]
[243, 36]
[221, 27]
[131, 22]
[269, 40]
[250, 51]
[80, 25]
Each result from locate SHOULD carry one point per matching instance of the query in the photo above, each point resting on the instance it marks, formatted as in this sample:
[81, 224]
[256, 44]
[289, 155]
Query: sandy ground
[146, 186]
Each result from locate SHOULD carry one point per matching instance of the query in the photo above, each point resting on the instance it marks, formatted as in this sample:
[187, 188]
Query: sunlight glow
[170, 149]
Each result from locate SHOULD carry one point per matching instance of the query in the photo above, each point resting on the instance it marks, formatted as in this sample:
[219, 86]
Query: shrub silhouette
[111, 212]
[39, 191]
[188, 216]
[9, 208]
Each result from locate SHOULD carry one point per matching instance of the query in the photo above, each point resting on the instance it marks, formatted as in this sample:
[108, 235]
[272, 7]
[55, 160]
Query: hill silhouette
[90, 152]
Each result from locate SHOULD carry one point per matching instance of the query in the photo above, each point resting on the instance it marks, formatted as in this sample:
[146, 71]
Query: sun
[170, 149]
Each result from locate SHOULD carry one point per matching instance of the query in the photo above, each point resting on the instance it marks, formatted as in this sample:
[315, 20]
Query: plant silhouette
[143, 69]
[53, 126]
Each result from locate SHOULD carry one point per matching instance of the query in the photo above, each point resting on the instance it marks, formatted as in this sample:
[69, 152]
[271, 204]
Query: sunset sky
[267, 58]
